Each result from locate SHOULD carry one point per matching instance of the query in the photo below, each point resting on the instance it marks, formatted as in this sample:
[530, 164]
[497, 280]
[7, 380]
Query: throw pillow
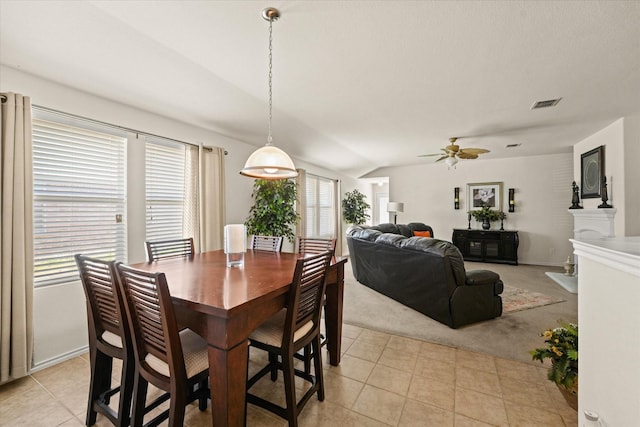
[422, 233]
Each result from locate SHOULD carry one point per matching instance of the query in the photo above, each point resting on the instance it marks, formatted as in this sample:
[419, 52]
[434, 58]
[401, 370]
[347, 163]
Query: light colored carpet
[510, 336]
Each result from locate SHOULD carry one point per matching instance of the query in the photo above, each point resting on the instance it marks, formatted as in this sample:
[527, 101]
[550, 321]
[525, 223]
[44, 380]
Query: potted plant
[562, 350]
[354, 208]
[273, 212]
[486, 215]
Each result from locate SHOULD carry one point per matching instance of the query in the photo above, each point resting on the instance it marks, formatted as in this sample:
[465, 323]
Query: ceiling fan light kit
[269, 162]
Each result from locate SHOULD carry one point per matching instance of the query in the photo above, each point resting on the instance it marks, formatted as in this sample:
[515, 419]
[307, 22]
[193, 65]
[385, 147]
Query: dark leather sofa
[426, 274]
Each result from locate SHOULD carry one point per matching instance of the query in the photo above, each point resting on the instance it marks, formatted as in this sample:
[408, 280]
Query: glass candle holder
[235, 244]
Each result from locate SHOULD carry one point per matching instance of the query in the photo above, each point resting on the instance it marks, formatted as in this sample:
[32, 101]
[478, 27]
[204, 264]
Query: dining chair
[161, 249]
[290, 330]
[267, 243]
[176, 362]
[109, 339]
[313, 245]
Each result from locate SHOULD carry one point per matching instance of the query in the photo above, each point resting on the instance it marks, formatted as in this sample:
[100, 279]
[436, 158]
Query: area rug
[516, 299]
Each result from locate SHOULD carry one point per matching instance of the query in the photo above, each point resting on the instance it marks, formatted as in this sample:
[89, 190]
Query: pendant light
[269, 162]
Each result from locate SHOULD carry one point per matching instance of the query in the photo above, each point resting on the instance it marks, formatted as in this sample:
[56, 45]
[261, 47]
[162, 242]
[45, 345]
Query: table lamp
[394, 208]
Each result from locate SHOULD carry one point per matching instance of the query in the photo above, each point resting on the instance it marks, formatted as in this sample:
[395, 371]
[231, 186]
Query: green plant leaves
[354, 208]
[273, 212]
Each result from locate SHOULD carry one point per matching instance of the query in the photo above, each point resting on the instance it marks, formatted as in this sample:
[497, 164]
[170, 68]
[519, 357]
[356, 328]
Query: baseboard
[59, 359]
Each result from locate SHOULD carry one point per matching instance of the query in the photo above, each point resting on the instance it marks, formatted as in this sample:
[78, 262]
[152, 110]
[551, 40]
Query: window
[79, 195]
[321, 209]
[165, 172]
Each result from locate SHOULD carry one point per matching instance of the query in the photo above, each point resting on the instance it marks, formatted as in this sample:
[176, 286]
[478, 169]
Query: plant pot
[570, 395]
[486, 224]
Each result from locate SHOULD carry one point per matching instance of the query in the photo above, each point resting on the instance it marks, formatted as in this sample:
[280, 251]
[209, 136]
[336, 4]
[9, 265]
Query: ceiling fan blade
[465, 155]
[442, 158]
[430, 155]
[474, 151]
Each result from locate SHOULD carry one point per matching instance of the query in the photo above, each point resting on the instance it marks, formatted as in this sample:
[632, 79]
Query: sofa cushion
[387, 228]
[390, 239]
[365, 233]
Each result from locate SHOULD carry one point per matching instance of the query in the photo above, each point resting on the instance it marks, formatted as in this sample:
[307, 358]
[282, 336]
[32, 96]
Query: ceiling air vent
[545, 104]
[512, 145]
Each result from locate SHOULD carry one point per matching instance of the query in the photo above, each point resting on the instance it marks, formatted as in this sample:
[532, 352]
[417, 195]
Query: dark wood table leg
[333, 312]
[228, 377]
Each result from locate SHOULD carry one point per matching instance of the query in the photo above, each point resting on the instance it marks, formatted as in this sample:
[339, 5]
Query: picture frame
[484, 194]
[591, 173]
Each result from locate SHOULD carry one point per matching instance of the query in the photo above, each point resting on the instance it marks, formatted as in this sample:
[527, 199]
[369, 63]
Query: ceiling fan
[453, 152]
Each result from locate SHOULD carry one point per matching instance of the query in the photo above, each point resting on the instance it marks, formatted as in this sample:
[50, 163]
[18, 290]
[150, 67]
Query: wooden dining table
[225, 304]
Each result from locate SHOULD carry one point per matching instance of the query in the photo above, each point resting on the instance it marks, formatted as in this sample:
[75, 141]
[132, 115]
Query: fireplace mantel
[593, 223]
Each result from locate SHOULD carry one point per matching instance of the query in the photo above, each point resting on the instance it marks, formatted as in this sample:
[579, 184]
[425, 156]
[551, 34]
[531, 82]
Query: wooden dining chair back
[108, 339]
[312, 245]
[290, 330]
[267, 243]
[161, 249]
[176, 362]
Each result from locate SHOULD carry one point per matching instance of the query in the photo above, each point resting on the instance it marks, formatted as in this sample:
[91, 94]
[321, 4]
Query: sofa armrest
[482, 277]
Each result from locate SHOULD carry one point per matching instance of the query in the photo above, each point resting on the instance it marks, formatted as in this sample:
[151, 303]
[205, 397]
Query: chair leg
[273, 362]
[288, 376]
[317, 362]
[203, 392]
[126, 391]
[101, 367]
[307, 359]
[177, 407]
[140, 386]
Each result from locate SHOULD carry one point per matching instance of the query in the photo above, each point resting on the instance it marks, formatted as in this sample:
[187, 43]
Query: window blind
[165, 172]
[320, 207]
[79, 198]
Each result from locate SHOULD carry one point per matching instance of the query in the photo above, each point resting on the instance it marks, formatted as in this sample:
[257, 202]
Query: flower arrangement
[487, 214]
[562, 350]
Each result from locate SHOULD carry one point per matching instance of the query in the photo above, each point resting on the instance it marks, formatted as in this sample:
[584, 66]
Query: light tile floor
[383, 380]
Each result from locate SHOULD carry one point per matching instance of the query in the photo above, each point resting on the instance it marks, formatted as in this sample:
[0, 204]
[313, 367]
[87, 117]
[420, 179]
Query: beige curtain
[16, 237]
[338, 219]
[212, 198]
[301, 203]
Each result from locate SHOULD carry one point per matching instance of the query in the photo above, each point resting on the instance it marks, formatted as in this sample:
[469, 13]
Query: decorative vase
[486, 224]
[570, 395]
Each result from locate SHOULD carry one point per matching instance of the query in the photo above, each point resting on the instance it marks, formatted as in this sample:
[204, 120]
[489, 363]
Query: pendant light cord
[269, 138]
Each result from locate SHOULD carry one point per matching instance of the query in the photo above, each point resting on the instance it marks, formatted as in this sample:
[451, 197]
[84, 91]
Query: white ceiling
[357, 85]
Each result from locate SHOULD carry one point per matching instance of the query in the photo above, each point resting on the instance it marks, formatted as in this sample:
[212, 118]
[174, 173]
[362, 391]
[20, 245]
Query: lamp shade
[395, 207]
[269, 162]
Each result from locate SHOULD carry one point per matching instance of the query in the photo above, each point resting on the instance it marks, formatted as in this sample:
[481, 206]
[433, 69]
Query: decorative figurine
[605, 196]
[575, 200]
[469, 218]
[569, 267]
[502, 216]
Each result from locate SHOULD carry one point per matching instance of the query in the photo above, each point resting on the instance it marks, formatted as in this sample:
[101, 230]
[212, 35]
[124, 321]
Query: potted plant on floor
[562, 350]
[354, 208]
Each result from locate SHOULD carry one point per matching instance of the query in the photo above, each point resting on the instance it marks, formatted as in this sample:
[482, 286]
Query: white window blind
[321, 209]
[79, 197]
[165, 165]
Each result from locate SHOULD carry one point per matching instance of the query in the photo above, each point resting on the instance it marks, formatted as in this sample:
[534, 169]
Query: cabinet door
[510, 246]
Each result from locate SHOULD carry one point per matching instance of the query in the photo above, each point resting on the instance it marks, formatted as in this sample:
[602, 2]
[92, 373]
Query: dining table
[225, 304]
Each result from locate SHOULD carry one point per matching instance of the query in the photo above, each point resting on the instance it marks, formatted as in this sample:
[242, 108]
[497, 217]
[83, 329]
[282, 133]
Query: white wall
[612, 137]
[543, 196]
[632, 175]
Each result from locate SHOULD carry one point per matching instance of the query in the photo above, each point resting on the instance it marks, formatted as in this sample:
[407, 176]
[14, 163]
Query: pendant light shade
[451, 161]
[269, 162]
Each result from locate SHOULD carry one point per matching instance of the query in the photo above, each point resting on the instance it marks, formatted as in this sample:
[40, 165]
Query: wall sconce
[456, 198]
[512, 200]
[394, 208]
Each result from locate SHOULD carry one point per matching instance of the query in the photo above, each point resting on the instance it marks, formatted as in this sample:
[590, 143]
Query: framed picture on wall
[484, 194]
[591, 173]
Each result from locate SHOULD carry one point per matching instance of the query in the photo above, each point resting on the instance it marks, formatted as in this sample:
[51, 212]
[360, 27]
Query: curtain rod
[75, 116]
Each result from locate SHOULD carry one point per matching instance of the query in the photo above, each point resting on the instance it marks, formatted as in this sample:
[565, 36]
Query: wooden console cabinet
[487, 245]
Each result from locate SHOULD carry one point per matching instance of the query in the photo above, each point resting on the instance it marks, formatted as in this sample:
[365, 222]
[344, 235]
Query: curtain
[301, 203]
[191, 204]
[16, 238]
[212, 198]
[338, 220]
